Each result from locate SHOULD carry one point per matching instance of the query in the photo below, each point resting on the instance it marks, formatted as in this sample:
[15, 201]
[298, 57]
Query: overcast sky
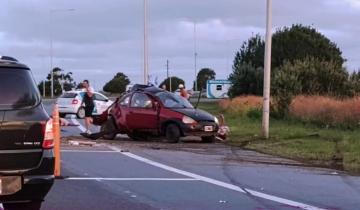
[100, 38]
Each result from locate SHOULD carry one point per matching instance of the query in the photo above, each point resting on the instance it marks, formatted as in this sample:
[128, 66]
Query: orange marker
[56, 131]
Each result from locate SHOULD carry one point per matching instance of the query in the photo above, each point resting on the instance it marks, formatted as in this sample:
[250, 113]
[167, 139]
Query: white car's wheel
[81, 113]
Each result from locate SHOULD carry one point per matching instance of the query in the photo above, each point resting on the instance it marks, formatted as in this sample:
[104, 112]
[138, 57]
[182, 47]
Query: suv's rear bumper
[36, 183]
[34, 189]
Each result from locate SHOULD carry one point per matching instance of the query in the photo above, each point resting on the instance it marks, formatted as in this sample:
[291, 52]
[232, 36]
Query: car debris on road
[64, 122]
[82, 143]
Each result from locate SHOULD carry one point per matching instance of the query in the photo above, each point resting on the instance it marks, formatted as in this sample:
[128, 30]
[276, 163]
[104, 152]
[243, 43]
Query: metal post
[44, 94]
[167, 74]
[267, 71]
[167, 69]
[170, 84]
[145, 43]
[51, 44]
[51, 56]
[62, 83]
[227, 57]
[195, 58]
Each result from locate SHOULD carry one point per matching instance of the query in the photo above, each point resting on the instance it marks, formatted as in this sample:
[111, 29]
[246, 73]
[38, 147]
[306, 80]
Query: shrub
[310, 77]
[254, 113]
[326, 110]
[242, 104]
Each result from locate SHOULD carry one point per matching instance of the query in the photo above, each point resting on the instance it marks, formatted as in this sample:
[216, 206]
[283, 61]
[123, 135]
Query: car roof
[153, 90]
[146, 89]
[9, 62]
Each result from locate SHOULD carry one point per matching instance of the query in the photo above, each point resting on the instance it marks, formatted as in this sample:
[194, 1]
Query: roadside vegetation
[317, 141]
[315, 104]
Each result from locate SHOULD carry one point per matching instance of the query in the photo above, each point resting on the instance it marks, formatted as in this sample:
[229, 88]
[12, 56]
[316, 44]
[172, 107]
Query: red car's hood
[196, 114]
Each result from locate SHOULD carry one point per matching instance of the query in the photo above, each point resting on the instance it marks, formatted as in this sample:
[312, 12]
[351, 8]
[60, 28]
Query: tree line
[64, 81]
[303, 61]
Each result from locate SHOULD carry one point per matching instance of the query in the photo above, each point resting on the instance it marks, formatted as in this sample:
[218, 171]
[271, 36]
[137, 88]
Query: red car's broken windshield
[171, 100]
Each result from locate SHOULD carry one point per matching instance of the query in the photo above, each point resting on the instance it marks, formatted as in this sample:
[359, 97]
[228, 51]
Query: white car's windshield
[171, 100]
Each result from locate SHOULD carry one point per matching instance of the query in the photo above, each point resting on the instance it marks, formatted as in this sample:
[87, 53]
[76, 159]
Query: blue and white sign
[218, 88]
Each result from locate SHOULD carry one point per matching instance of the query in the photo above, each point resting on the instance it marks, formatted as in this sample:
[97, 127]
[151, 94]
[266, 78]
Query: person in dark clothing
[89, 105]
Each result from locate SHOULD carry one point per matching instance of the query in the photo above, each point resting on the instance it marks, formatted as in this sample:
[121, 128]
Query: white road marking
[90, 151]
[130, 179]
[219, 183]
[81, 127]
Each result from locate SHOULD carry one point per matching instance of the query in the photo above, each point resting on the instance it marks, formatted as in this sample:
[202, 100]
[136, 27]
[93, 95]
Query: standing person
[89, 105]
[183, 91]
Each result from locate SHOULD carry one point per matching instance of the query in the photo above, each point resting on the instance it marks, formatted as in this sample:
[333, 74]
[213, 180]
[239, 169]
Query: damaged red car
[149, 111]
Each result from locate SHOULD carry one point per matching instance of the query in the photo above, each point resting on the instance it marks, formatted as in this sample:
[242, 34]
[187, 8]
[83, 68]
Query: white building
[217, 88]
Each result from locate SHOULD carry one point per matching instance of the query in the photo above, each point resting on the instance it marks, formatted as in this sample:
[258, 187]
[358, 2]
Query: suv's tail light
[48, 142]
[74, 101]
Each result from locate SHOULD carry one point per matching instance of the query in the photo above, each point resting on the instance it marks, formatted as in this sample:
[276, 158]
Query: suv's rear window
[17, 89]
[68, 95]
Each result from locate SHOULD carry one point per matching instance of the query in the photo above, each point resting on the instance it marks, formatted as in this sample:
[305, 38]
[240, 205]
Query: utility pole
[267, 71]
[51, 12]
[44, 88]
[195, 57]
[145, 43]
[167, 68]
[168, 75]
[51, 55]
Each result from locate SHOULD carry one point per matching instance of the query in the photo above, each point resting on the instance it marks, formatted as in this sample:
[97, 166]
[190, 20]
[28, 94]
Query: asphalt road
[123, 174]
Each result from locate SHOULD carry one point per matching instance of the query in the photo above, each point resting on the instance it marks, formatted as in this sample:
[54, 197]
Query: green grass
[309, 143]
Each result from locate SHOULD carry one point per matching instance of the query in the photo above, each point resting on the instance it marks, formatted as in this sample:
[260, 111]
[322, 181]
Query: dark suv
[26, 139]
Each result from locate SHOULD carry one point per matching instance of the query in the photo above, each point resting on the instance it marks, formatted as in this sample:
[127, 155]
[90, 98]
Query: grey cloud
[101, 38]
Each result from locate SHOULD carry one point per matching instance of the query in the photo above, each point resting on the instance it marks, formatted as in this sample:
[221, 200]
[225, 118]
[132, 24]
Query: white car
[71, 103]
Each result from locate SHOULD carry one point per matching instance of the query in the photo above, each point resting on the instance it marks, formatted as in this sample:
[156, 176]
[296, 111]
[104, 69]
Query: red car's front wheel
[172, 133]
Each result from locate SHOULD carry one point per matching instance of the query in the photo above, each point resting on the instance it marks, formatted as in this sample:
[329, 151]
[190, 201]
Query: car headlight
[188, 120]
[216, 120]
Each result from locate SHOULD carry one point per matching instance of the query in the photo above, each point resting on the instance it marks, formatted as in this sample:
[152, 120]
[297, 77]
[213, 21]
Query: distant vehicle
[153, 111]
[217, 88]
[71, 103]
[26, 139]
